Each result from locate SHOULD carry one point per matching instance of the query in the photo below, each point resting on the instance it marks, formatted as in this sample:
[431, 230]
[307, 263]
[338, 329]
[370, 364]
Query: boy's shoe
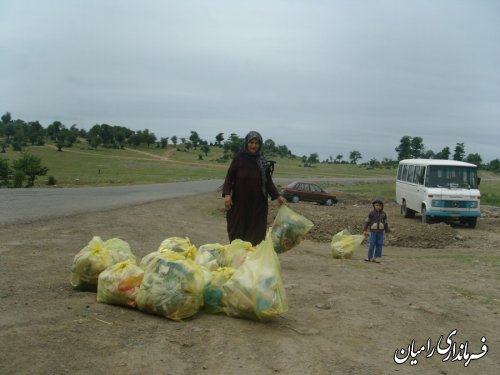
[367, 260]
[376, 260]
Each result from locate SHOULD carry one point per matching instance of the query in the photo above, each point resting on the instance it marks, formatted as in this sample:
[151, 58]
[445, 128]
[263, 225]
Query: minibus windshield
[451, 177]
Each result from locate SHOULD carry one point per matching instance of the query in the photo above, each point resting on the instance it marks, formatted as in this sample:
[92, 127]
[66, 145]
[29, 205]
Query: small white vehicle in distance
[439, 190]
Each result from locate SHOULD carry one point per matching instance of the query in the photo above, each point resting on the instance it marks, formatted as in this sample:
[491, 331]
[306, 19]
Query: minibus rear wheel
[425, 218]
[406, 212]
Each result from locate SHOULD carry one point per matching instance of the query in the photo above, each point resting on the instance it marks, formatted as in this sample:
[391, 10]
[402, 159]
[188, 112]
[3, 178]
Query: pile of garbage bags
[179, 279]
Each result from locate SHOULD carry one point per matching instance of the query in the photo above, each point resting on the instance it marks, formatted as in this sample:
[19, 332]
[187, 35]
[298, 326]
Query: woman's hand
[281, 200]
[228, 202]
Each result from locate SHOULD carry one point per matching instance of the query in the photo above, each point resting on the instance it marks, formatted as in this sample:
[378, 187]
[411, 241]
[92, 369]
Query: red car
[307, 192]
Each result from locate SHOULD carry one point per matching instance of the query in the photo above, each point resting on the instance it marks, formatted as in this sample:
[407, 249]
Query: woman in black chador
[246, 188]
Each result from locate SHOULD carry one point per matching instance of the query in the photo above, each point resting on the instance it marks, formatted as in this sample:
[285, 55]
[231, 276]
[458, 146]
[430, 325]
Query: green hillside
[84, 166]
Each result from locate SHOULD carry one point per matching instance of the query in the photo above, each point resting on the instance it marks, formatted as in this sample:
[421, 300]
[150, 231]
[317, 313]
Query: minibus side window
[411, 173]
[405, 173]
[420, 175]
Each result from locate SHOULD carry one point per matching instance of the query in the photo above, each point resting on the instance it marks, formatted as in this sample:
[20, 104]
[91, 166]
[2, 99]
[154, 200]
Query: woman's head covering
[252, 135]
[259, 158]
[378, 200]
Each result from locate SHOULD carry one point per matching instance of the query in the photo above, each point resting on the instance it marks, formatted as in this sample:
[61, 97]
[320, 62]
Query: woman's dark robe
[247, 218]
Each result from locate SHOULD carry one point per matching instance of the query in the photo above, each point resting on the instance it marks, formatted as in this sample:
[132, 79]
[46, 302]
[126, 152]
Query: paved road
[25, 205]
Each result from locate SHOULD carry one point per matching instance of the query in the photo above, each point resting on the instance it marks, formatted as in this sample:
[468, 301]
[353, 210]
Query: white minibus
[439, 189]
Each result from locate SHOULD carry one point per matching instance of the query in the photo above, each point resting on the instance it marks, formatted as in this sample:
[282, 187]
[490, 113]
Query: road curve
[27, 205]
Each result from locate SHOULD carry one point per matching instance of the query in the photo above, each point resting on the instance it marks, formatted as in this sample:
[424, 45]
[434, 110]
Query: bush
[19, 178]
[51, 181]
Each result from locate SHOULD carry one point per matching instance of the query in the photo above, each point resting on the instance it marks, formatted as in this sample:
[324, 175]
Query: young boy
[376, 225]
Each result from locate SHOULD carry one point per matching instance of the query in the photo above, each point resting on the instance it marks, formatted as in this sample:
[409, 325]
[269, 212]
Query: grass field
[83, 166]
[79, 166]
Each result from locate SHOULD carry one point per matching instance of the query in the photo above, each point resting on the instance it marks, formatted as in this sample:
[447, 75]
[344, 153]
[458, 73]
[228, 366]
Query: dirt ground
[345, 316]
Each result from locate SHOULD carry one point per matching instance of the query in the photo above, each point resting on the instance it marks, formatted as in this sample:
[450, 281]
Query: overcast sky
[327, 76]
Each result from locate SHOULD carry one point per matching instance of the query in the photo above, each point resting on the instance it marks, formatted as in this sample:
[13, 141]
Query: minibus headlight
[435, 203]
[473, 204]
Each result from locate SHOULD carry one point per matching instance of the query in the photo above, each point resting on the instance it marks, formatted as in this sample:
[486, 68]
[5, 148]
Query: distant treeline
[19, 133]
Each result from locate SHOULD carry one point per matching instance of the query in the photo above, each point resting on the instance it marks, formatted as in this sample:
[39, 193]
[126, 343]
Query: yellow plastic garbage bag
[289, 229]
[171, 288]
[118, 284]
[211, 256]
[94, 258]
[213, 292]
[164, 253]
[179, 245]
[344, 244]
[256, 290]
[236, 253]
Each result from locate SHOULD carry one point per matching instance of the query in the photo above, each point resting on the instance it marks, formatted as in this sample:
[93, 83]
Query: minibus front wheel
[472, 221]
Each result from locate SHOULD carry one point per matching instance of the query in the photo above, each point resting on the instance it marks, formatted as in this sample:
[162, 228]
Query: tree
[429, 154]
[474, 159]
[494, 166]
[354, 156]
[61, 137]
[219, 138]
[5, 172]
[35, 133]
[416, 147]
[313, 158]
[338, 158]
[107, 135]
[459, 152]
[373, 163]
[164, 142]
[19, 138]
[205, 149]
[443, 154]
[269, 147]
[174, 140]
[150, 139]
[234, 143]
[9, 130]
[195, 139]
[283, 151]
[6, 118]
[134, 140]
[404, 148]
[120, 137]
[54, 129]
[31, 166]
